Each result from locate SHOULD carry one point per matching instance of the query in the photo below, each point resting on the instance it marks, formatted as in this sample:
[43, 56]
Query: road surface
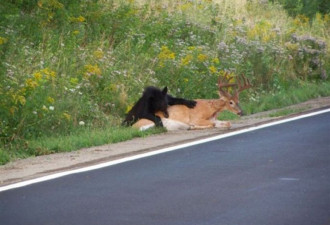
[278, 175]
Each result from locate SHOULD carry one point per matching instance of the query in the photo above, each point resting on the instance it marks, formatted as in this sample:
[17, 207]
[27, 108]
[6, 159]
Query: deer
[204, 114]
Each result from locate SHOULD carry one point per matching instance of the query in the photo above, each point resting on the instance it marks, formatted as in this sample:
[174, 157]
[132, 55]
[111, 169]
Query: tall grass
[68, 65]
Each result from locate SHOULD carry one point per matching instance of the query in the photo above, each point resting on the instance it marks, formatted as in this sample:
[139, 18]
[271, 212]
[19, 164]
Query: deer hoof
[222, 124]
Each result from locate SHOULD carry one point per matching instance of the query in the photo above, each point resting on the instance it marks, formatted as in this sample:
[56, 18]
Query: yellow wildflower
[128, 108]
[216, 60]
[50, 100]
[55, 4]
[92, 70]
[303, 18]
[186, 6]
[292, 46]
[3, 40]
[21, 99]
[191, 48]
[40, 4]
[266, 38]
[166, 54]
[186, 60]
[67, 116]
[172, 55]
[74, 81]
[81, 19]
[301, 21]
[49, 73]
[98, 54]
[12, 110]
[31, 83]
[22, 91]
[202, 57]
[76, 32]
[44, 108]
[318, 17]
[37, 76]
[78, 19]
[327, 17]
[260, 31]
[213, 69]
[252, 33]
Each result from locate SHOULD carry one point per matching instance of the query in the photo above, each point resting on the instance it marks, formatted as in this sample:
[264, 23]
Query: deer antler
[224, 82]
[246, 84]
[242, 84]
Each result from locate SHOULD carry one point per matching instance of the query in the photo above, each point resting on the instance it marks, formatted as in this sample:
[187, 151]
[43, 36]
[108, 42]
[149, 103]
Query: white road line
[169, 149]
[289, 179]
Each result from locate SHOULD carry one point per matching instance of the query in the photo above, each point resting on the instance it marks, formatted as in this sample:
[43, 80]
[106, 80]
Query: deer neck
[218, 105]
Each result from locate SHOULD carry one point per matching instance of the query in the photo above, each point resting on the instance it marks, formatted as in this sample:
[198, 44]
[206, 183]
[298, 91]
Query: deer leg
[202, 124]
[222, 124]
[170, 124]
[143, 124]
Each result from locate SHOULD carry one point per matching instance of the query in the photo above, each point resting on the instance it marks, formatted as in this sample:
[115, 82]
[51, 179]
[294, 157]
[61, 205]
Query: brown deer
[204, 114]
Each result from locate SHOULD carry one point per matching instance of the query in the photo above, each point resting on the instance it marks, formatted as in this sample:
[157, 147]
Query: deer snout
[239, 110]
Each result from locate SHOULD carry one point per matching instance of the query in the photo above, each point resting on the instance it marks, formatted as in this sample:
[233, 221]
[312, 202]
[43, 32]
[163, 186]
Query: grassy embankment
[70, 70]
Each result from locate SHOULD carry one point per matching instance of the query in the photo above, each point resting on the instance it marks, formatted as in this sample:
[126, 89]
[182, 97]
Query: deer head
[232, 100]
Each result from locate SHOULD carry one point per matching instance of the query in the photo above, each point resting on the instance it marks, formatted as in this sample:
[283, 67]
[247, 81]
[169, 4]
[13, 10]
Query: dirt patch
[25, 169]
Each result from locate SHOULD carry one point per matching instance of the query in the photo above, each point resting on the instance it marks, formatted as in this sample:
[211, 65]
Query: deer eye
[231, 103]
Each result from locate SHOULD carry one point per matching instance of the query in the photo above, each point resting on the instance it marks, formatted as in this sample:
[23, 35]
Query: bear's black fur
[153, 100]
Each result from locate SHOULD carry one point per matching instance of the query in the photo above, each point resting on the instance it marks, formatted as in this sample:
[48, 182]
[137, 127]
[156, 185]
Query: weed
[4, 157]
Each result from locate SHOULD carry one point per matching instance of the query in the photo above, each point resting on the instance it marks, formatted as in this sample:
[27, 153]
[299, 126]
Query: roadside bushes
[68, 65]
[305, 7]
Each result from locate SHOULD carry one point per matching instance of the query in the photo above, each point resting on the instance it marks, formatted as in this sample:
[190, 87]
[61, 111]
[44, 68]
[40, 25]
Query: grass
[87, 138]
[287, 97]
[280, 100]
[82, 138]
[4, 157]
[65, 63]
[226, 115]
[286, 112]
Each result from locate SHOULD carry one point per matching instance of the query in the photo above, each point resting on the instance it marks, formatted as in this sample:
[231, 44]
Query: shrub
[67, 63]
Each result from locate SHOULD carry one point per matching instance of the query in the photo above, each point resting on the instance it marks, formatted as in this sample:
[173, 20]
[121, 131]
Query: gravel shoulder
[34, 167]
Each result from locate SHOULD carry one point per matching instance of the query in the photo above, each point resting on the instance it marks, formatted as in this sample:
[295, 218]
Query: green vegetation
[305, 7]
[292, 96]
[68, 68]
[285, 112]
[80, 139]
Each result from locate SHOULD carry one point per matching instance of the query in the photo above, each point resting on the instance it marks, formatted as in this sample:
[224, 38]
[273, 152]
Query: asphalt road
[278, 175]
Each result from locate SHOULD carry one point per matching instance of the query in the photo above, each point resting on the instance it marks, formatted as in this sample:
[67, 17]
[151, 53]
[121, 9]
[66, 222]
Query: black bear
[153, 100]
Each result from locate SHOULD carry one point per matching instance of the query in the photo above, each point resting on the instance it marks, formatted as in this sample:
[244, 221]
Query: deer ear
[222, 94]
[164, 91]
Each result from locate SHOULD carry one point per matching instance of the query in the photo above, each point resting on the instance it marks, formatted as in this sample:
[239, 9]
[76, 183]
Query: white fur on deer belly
[174, 124]
[222, 124]
[146, 127]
